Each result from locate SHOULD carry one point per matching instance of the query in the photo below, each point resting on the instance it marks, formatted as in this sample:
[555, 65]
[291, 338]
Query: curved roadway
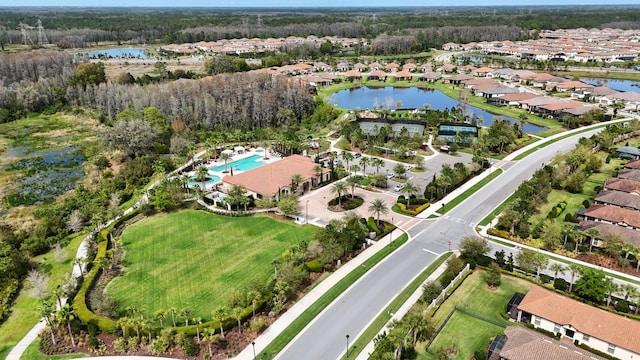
[325, 338]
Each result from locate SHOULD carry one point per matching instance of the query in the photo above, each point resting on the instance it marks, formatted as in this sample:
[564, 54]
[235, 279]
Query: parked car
[337, 162]
[390, 175]
[357, 155]
[398, 187]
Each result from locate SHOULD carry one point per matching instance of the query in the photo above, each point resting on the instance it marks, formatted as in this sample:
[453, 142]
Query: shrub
[499, 233]
[353, 203]
[430, 291]
[623, 262]
[622, 306]
[257, 324]
[314, 265]
[568, 217]
[372, 225]
[446, 278]
[586, 203]
[480, 354]
[560, 284]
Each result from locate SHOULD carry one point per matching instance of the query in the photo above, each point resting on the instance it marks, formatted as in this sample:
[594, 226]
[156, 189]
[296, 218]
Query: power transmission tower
[24, 30]
[42, 37]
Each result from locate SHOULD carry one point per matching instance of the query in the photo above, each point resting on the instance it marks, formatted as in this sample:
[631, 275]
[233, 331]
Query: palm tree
[593, 234]
[352, 181]
[201, 174]
[364, 162]
[185, 314]
[378, 163]
[123, 323]
[347, 156]
[573, 269]
[184, 179]
[198, 322]
[611, 288]
[318, 171]
[173, 312]
[339, 188]
[354, 168]
[557, 268]
[410, 189]
[377, 207]
[237, 314]
[160, 315]
[254, 296]
[225, 157]
[296, 179]
[219, 314]
[68, 313]
[47, 311]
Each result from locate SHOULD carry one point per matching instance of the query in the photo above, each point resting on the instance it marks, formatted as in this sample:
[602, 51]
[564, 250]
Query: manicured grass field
[196, 260]
[467, 331]
[466, 334]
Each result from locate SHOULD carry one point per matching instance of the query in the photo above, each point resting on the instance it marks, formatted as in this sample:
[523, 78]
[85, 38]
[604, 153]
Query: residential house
[403, 75]
[482, 72]
[628, 152]
[457, 79]
[630, 99]
[493, 92]
[612, 215]
[320, 66]
[519, 343]
[353, 74]
[342, 66]
[274, 179]
[625, 185]
[450, 46]
[426, 68]
[447, 68]
[628, 173]
[391, 67]
[377, 75]
[578, 322]
[430, 76]
[411, 67]
[635, 165]
[514, 99]
[619, 198]
[375, 66]
[631, 236]
[555, 109]
[360, 67]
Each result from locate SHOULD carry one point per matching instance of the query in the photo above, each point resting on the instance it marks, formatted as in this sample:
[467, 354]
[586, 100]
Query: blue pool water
[245, 164]
[214, 180]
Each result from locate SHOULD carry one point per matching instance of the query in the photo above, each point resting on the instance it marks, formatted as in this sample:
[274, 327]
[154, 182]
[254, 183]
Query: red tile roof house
[378, 75]
[596, 328]
[274, 179]
[392, 67]
[613, 215]
[626, 185]
[632, 165]
[411, 67]
[403, 75]
[527, 344]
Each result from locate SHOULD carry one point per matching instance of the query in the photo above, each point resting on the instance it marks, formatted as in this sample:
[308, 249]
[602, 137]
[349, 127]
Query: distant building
[462, 133]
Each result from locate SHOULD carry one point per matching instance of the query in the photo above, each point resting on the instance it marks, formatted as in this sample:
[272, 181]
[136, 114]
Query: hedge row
[418, 210]
[557, 210]
[371, 223]
[414, 200]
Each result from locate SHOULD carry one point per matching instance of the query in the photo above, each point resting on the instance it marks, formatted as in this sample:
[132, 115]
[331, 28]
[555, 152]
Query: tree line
[81, 28]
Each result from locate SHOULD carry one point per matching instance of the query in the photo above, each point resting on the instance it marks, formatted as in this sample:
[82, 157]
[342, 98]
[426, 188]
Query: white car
[398, 187]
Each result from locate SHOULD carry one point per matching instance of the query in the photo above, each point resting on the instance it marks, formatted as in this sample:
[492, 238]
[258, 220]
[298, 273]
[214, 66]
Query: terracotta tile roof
[561, 105]
[573, 84]
[609, 327]
[625, 185]
[525, 344]
[403, 74]
[632, 164]
[270, 178]
[483, 70]
[614, 214]
[378, 73]
[353, 73]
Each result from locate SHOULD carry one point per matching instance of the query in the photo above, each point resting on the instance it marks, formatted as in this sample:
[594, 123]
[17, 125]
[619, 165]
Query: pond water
[117, 53]
[47, 174]
[620, 85]
[411, 98]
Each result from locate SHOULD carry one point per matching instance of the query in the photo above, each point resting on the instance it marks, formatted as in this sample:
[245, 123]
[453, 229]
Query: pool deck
[236, 157]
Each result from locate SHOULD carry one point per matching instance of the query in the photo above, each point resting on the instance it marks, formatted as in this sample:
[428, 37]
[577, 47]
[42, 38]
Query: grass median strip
[547, 143]
[299, 323]
[460, 198]
[374, 328]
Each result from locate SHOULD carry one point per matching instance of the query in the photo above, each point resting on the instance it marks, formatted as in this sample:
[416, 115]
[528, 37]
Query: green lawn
[474, 296]
[470, 191]
[23, 315]
[196, 260]
[32, 353]
[466, 334]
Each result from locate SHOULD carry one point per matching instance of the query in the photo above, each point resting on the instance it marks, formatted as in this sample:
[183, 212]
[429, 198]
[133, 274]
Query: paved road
[325, 338]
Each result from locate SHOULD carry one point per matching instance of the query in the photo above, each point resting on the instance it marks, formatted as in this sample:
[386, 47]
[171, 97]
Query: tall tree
[67, 313]
[377, 207]
[339, 188]
[474, 247]
[410, 189]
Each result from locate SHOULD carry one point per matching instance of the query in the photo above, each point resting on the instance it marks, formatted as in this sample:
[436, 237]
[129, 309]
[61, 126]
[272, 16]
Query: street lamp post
[347, 346]
[391, 232]
[306, 213]
[253, 343]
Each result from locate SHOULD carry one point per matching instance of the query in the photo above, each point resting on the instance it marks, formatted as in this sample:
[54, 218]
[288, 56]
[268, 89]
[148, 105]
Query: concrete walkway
[305, 302]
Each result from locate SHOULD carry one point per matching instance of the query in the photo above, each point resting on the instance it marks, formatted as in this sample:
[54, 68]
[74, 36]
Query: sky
[308, 3]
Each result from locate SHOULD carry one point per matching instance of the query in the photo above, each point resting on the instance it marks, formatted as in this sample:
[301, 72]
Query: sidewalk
[305, 302]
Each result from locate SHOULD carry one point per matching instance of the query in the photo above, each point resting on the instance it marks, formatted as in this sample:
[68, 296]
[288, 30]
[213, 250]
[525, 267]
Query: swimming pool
[214, 180]
[245, 164]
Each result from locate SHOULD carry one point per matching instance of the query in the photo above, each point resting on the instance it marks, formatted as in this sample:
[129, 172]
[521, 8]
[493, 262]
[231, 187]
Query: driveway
[314, 206]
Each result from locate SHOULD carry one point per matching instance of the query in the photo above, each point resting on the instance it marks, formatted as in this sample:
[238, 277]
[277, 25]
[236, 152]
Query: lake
[620, 85]
[117, 53]
[411, 98]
